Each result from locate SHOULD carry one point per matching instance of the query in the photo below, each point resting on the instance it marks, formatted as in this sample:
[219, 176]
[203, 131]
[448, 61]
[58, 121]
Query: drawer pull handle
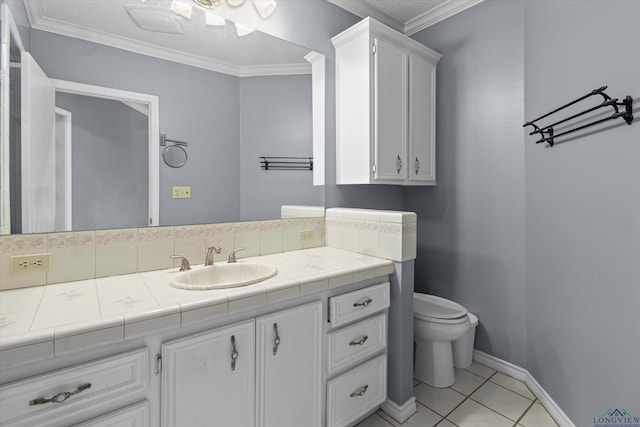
[60, 397]
[276, 340]
[234, 353]
[399, 162]
[417, 166]
[360, 341]
[363, 303]
[360, 392]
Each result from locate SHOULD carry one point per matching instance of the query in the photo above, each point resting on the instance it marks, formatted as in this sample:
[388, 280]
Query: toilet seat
[433, 308]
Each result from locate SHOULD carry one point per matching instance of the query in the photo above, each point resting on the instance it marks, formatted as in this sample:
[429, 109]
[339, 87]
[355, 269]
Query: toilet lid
[436, 307]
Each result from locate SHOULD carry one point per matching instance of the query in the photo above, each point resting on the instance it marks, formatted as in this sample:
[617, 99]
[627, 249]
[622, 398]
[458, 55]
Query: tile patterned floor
[480, 397]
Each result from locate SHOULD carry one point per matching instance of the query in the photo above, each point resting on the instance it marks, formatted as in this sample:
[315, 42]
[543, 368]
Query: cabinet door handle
[363, 303]
[417, 165]
[399, 163]
[360, 392]
[60, 397]
[234, 353]
[361, 341]
[276, 340]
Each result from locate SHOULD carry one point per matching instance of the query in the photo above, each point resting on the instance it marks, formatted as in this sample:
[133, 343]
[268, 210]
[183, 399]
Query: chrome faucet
[208, 259]
[184, 266]
[232, 255]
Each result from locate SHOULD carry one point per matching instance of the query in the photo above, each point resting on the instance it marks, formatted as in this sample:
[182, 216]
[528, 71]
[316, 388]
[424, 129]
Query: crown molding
[38, 22]
[440, 13]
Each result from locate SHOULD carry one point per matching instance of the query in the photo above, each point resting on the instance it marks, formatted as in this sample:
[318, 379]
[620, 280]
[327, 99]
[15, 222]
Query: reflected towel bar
[286, 163]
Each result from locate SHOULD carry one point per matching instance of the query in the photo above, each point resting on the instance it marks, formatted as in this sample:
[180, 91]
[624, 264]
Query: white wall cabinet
[208, 379]
[385, 107]
[289, 354]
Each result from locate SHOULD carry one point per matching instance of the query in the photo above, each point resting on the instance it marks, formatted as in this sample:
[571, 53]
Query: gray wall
[275, 120]
[471, 225]
[542, 243]
[583, 211]
[110, 177]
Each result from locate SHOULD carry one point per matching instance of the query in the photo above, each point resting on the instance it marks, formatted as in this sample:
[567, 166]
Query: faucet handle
[184, 265]
[232, 255]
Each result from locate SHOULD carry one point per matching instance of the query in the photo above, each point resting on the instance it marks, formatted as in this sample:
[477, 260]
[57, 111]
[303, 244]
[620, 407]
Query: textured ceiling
[405, 10]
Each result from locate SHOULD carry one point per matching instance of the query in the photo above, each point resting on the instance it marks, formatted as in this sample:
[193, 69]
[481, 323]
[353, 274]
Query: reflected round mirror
[174, 156]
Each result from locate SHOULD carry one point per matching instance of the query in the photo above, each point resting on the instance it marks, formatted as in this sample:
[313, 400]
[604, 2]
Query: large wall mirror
[234, 97]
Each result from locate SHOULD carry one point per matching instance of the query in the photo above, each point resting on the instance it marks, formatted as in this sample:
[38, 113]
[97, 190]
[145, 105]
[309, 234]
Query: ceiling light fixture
[265, 7]
[243, 30]
[180, 8]
[208, 3]
[213, 20]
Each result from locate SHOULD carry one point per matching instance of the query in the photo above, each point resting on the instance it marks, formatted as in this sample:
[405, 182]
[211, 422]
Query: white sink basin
[221, 276]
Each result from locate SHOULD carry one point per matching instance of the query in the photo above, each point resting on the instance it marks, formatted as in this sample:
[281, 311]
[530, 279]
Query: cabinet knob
[234, 353]
[60, 397]
[363, 303]
[360, 392]
[276, 340]
[361, 341]
[399, 163]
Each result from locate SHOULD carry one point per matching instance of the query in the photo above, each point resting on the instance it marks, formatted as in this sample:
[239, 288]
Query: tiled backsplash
[85, 255]
[384, 234]
[89, 254]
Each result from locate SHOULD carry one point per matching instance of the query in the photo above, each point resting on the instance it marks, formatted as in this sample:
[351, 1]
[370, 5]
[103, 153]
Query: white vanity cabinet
[264, 372]
[289, 369]
[356, 354]
[82, 392]
[208, 379]
[385, 107]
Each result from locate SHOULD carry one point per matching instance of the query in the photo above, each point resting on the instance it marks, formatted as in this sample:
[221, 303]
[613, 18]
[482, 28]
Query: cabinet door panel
[390, 111]
[421, 165]
[289, 367]
[200, 384]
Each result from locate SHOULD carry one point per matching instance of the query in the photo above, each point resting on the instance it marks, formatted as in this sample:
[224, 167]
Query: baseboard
[400, 413]
[523, 375]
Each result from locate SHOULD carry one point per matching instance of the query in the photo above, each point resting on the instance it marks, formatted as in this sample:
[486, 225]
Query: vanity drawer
[356, 342]
[356, 392]
[358, 304]
[80, 391]
[132, 416]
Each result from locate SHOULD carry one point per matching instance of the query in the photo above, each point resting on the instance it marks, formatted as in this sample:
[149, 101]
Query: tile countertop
[64, 317]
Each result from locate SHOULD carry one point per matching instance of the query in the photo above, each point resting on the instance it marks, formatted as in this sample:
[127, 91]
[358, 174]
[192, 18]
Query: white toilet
[437, 322]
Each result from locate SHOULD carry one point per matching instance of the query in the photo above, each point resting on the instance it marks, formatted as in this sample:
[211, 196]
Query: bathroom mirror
[230, 114]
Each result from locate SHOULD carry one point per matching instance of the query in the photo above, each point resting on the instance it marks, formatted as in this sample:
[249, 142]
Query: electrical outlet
[181, 192]
[37, 263]
[306, 235]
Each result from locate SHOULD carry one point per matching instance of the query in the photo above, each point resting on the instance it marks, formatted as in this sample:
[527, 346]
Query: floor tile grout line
[524, 413]
[513, 391]
[493, 410]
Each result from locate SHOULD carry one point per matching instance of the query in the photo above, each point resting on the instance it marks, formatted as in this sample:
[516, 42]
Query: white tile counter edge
[145, 302]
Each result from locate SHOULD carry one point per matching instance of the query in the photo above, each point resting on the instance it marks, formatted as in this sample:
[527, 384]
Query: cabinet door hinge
[374, 49]
[373, 168]
[158, 364]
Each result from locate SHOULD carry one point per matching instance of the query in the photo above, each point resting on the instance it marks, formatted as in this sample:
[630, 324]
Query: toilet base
[434, 363]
